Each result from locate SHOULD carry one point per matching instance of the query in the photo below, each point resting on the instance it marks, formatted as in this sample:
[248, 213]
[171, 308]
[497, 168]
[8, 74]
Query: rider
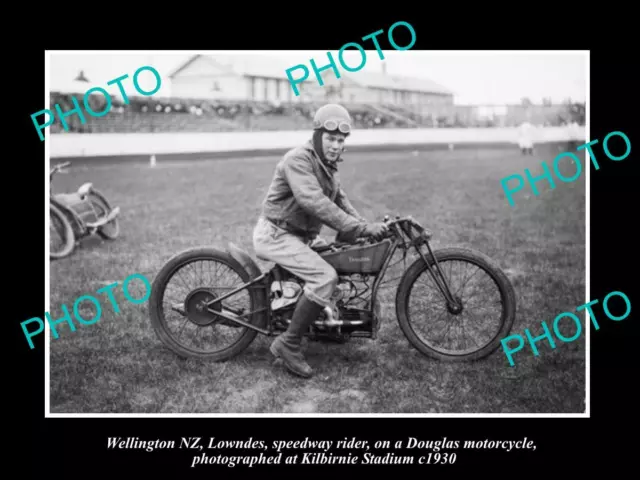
[304, 194]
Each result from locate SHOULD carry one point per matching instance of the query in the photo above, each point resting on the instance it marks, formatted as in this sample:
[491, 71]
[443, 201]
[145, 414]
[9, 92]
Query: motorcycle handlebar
[400, 223]
[392, 232]
[407, 219]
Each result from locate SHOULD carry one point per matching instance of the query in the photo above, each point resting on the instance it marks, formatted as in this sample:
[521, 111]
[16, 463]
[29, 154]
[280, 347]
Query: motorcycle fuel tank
[366, 259]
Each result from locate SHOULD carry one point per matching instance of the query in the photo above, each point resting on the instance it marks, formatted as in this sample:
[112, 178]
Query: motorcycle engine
[340, 295]
[342, 291]
[284, 296]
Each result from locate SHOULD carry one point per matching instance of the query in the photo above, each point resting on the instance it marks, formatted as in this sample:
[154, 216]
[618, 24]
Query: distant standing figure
[525, 138]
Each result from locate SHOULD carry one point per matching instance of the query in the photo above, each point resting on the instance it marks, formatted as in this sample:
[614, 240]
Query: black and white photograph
[249, 233]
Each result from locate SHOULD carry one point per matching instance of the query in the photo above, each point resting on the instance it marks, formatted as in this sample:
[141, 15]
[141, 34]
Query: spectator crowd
[151, 114]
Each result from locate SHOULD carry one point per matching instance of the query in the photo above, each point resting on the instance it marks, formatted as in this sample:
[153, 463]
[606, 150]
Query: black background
[76, 448]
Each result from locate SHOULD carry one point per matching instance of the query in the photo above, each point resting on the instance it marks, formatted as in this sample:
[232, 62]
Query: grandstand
[252, 93]
[154, 114]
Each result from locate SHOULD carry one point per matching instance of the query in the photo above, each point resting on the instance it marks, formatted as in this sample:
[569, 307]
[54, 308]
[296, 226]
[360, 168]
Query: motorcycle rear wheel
[468, 257]
[191, 307]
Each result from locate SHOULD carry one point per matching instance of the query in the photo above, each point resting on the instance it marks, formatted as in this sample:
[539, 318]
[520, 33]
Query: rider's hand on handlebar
[377, 231]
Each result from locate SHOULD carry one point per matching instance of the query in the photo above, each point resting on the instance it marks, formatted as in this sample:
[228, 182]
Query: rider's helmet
[332, 117]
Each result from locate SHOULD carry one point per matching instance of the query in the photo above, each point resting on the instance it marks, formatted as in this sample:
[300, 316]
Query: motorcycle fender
[244, 259]
[250, 266]
[85, 189]
[62, 206]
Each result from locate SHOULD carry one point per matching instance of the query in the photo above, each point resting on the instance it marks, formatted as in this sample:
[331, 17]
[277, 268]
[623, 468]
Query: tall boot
[287, 346]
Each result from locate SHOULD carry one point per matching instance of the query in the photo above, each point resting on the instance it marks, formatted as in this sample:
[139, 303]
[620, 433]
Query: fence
[93, 145]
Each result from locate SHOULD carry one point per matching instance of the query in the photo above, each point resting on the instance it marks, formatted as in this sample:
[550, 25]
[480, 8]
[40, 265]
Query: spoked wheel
[110, 230]
[61, 237]
[178, 310]
[445, 332]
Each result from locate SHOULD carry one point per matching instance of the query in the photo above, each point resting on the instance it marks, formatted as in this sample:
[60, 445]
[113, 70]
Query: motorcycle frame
[401, 228]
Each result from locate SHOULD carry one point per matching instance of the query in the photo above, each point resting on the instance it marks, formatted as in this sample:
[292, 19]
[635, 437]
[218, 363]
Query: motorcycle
[270, 296]
[80, 214]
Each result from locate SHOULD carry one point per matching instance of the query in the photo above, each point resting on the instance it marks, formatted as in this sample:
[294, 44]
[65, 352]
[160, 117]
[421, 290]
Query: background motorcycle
[77, 215]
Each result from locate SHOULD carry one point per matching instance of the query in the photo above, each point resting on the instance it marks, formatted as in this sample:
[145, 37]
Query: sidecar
[89, 212]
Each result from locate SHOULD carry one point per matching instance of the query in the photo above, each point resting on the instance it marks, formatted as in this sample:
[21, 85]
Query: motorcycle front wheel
[488, 306]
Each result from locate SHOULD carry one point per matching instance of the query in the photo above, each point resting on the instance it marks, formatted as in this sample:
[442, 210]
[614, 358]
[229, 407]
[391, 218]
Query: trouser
[292, 253]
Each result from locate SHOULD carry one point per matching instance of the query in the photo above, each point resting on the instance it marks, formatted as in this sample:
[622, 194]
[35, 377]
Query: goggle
[333, 125]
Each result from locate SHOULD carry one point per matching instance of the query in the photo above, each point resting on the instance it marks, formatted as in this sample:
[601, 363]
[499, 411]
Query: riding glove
[376, 230]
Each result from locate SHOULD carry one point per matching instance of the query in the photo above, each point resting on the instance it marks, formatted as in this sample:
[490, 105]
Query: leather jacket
[305, 193]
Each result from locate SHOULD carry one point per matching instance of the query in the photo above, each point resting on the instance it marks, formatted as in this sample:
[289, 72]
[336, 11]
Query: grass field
[118, 365]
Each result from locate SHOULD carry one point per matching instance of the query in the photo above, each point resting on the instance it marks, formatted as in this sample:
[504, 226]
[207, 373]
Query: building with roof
[379, 88]
[263, 78]
[233, 77]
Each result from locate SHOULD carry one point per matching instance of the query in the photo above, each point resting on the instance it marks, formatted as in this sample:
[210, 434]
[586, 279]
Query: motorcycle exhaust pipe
[337, 323]
[330, 320]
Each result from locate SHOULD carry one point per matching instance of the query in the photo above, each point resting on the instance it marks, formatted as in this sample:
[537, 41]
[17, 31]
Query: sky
[476, 78]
